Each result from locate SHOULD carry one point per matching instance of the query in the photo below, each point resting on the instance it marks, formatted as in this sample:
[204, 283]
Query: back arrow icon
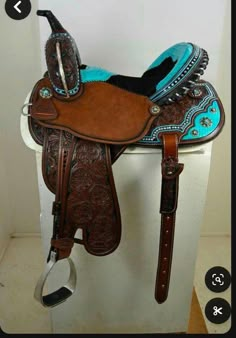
[17, 5]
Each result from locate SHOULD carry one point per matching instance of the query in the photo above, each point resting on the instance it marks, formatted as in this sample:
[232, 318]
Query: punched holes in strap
[171, 170]
[165, 257]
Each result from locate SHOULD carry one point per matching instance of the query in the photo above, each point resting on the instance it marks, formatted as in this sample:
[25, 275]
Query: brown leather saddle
[85, 117]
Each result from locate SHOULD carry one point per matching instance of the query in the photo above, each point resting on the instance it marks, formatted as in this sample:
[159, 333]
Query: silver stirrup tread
[62, 293]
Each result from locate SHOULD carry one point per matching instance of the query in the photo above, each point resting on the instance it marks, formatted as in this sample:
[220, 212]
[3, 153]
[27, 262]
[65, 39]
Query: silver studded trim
[194, 132]
[209, 95]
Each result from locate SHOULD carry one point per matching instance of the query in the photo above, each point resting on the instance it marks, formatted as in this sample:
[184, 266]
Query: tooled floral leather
[92, 204]
[175, 113]
[36, 131]
[69, 61]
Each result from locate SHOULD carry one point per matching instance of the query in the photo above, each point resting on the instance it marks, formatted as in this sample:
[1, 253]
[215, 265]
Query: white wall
[5, 225]
[19, 69]
[217, 219]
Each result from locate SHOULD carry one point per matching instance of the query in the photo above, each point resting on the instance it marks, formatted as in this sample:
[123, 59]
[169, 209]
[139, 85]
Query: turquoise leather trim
[180, 53]
[212, 117]
[72, 91]
[90, 74]
[191, 127]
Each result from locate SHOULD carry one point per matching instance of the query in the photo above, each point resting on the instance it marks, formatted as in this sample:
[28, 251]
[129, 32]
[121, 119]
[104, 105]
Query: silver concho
[206, 122]
[45, 93]
[155, 110]
[196, 92]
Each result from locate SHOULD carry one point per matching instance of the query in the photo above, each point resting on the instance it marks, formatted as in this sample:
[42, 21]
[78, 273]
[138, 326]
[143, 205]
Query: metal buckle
[23, 107]
[62, 293]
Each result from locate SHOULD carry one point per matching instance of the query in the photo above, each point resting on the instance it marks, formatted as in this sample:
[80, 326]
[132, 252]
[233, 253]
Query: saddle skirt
[84, 118]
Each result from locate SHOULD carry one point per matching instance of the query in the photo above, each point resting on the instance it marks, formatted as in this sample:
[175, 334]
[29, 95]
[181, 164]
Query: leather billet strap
[171, 170]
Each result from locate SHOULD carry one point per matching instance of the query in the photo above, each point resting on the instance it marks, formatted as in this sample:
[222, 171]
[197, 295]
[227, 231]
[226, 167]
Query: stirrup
[62, 293]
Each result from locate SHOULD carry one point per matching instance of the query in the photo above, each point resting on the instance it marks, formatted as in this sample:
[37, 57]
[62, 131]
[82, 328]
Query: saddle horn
[62, 58]
[56, 26]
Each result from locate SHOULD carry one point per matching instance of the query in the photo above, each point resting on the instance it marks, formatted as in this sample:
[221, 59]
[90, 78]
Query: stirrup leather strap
[171, 170]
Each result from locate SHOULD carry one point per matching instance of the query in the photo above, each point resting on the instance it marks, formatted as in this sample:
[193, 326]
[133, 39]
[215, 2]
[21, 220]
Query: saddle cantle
[84, 118]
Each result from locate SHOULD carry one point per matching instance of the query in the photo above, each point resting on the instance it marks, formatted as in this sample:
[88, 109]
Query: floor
[18, 314]
[196, 319]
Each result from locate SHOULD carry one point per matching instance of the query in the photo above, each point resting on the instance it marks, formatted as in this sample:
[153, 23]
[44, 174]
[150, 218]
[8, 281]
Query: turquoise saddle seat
[166, 80]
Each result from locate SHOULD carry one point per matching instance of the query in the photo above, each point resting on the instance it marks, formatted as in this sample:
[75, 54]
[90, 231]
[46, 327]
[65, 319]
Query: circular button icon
[217, 279]
[217, 310]
[18, 9]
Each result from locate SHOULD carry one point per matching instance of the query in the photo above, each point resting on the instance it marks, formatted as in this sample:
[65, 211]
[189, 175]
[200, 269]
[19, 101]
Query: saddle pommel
[62, 58]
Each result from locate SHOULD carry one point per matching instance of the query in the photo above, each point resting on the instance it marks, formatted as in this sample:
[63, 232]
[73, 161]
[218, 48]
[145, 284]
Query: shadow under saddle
[84, 117]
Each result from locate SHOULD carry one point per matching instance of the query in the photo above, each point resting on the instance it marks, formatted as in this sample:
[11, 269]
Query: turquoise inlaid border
[214, 117]
[153, 139]
[72, 91]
